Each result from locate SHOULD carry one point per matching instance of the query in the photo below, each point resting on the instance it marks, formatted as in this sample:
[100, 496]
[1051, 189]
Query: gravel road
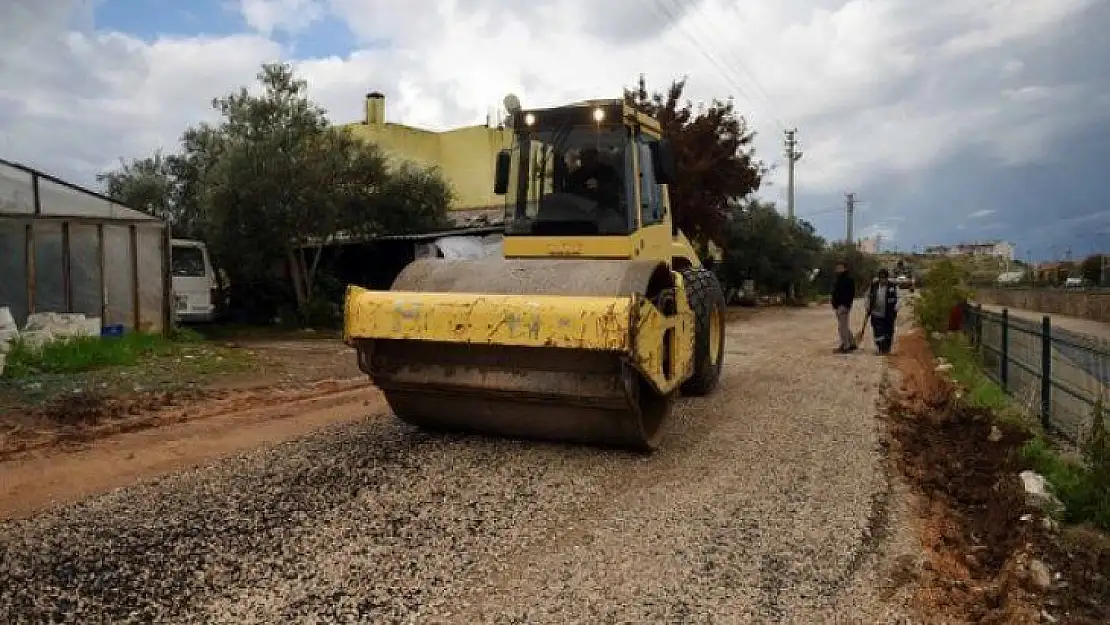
[763, 506]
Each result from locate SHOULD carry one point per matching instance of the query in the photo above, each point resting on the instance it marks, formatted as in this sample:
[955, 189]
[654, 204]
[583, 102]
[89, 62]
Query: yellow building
[465, 156]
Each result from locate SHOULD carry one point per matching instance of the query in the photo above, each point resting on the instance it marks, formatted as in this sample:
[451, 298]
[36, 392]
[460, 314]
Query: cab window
[651, 203]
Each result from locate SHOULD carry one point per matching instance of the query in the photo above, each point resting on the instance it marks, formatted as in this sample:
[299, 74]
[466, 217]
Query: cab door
[654, 235]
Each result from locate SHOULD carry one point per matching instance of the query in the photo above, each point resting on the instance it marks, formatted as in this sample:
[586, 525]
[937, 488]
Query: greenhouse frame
[67, 249]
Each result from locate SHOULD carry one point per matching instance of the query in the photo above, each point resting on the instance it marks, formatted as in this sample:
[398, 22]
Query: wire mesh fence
[1053, 372]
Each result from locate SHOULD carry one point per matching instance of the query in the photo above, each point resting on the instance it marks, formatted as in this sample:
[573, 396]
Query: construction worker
[882, 308]
[843, 295]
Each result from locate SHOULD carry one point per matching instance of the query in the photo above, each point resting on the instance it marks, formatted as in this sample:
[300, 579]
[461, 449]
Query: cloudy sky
[952, 120]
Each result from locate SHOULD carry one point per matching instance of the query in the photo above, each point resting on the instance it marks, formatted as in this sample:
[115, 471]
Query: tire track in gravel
[769, 482]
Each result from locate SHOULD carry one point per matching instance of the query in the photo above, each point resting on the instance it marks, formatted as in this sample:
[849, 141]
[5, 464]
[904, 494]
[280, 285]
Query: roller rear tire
[707, 301]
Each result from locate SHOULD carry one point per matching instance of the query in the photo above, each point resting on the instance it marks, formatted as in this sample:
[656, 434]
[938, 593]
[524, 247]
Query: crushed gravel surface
[765, 504]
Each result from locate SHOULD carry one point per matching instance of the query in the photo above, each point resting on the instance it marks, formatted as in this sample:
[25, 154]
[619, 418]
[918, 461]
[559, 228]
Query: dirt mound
[984, 547]
[1083, 557]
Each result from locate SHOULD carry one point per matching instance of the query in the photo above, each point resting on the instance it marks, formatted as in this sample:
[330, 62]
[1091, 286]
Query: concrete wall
[468, 158]
[1094, 306]
[400, 142]
[465, 156]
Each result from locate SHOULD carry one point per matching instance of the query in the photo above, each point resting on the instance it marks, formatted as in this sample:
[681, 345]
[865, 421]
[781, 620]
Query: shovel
[863, 328]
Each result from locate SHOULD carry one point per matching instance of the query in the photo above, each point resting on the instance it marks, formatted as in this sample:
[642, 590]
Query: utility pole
[878, 243]
[850, 209]
[792, 156]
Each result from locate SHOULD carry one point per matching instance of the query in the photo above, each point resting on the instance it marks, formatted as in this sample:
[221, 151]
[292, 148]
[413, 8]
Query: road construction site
[768, 501]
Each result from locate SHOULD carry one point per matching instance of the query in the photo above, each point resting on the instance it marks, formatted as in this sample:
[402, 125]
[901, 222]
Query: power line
[724, 71]
[823, 213]
[742, 70]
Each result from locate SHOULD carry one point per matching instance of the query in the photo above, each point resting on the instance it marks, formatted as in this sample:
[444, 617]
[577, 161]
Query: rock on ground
[764, 505]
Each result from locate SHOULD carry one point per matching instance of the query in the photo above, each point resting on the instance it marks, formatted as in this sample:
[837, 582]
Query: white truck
[192, 280]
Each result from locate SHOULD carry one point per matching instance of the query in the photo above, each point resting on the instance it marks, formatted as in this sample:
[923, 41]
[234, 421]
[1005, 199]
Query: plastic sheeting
[45, 222]
[13, 266]
[84, 266]
[17, 197]
[50, 291]
[119, 305]
[111, 296]
[58, 199]
[463, 247]
[149, 248]
[16, 192]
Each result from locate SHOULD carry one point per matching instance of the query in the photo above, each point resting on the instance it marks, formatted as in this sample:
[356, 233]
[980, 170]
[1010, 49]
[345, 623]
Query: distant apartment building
[868, 245]
[465, 157]
[997, 249]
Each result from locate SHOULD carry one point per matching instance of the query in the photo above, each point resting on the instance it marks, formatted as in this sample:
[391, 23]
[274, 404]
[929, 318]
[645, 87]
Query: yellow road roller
[598, 315]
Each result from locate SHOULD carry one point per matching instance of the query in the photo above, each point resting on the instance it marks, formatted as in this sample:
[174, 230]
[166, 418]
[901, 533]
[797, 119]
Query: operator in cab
[595, 180]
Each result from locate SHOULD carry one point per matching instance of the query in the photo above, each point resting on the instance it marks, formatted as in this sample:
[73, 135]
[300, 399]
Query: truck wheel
[708, 304]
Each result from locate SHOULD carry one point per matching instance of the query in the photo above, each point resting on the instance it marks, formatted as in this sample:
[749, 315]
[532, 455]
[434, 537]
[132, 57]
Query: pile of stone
[42, 328]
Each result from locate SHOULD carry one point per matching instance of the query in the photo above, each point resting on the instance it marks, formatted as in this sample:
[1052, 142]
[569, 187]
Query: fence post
[1046, 373]
[1004, 361]
[979, 329]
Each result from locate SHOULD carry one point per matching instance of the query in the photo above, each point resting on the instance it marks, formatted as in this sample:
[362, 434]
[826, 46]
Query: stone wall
[1094, 306]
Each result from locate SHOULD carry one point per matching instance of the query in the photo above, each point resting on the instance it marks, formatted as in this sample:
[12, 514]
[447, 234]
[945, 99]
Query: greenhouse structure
[67, 249]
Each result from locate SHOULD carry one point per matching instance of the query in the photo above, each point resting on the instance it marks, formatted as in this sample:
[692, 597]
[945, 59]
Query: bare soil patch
[162, 441]
[114, 434]
[290, 361]
[72, 422]
[80, 408]
[983, 544]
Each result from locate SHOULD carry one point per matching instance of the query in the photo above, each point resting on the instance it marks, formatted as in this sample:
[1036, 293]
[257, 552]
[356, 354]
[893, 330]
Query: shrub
[946, 288]
[1083, 486]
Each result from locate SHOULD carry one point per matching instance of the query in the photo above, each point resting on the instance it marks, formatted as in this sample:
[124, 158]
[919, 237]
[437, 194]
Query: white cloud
[997, 22]
[1012, 67]
[874, 88]
[979, 214]
[292, 16]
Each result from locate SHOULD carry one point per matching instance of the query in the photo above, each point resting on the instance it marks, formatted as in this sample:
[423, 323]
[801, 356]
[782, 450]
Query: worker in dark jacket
[882, 307]
[843, 294]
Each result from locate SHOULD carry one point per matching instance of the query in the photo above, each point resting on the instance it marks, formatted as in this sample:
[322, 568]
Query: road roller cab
[589, 180]
[597, 317]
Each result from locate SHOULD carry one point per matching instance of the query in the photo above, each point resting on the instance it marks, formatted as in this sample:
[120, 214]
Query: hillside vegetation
[978, 269]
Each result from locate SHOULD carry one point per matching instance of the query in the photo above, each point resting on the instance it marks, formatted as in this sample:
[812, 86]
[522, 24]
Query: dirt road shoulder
[87, 441]
[178, 439]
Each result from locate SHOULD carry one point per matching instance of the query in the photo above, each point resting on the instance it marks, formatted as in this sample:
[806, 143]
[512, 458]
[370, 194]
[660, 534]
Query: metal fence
[1052, 288]
[1053, 372]
[64, 248]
